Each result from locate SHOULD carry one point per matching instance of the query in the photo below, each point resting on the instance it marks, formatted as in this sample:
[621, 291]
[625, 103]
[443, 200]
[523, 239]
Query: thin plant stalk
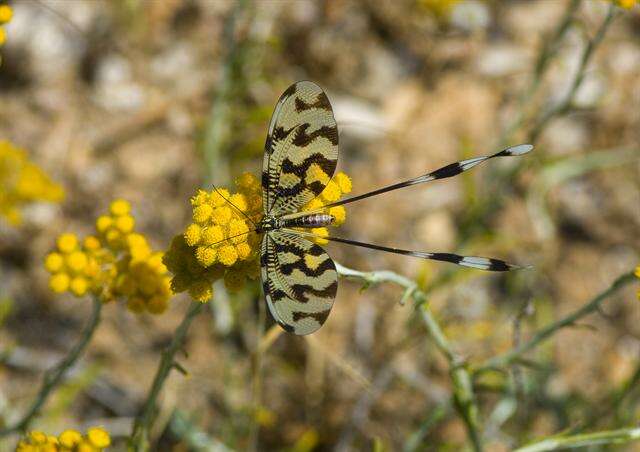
[545, 333]
[140, 435]
[53, 377]
[565, 105]
[619, 436]
[463, 395]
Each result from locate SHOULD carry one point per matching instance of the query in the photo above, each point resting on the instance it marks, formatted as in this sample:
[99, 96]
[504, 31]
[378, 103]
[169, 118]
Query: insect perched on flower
[300, 198]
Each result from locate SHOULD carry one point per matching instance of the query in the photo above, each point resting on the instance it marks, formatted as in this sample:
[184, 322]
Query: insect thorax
[314, 220]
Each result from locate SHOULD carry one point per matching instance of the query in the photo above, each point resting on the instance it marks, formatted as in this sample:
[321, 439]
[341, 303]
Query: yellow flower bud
[70, 438]
[192, 234]
[120, 207]
[202, 213]
[240, 201]
[218, 198]
[344, 182]
[103, 223]
[211, 235]
[206, 255]
[227, 255]
[59, 282]
[331, 192]
[243, 250]
[37, 437]
[53, 262]
[222, 215]
[202, 197]
[79, 286]
[67, 242]
[98, 437]
[6, 13]
[125, 223]
[323, 232]
[76, 261]
[91, 243]
[247, 181]
[339, 213]
[85, 446]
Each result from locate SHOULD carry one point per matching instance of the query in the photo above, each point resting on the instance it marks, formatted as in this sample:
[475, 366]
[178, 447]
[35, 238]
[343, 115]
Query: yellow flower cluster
[21, 181]
[637, 273]
[115, 263]
[96, 439]
[6, 13]
[219, 243]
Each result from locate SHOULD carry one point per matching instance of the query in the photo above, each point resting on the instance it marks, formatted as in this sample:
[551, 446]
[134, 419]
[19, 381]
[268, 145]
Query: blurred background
[150, 100]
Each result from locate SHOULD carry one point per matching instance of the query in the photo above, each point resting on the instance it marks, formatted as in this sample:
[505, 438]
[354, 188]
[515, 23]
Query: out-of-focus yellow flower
[626, 4]
[96, 439]
[637, 273]
[219, 244]
[6, 13]
[439, 8]
[116, 263]
[22, 182]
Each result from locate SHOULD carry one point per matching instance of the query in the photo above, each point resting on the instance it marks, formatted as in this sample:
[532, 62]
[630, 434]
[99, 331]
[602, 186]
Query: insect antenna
[232, 237]
[482, 263]
[234, 206]
[453, 169]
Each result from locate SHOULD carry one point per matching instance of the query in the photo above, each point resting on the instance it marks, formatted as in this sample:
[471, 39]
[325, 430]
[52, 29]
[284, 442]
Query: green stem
[140, 435]
[464, 397]
[565, 105]
[583, 440]
[547, 53]
[546, 332]
[217, 131]
[53, 377]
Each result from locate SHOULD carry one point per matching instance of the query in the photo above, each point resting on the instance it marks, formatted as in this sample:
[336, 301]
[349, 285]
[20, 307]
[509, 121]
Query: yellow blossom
[98, 437]
[116, 263]
[211, 235]
[227, 255]
[59, 282]
[6, 13]
[22, 182]
[192, 234]
[70, 438]
[120, 207]
[125, 223]
[53, 262]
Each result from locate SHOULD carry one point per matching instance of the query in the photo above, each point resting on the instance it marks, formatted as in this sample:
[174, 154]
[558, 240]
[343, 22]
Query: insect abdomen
[316, 220]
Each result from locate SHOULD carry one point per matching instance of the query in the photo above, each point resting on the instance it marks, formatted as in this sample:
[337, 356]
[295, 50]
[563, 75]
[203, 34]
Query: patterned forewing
[301, 151]
[299, 280]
